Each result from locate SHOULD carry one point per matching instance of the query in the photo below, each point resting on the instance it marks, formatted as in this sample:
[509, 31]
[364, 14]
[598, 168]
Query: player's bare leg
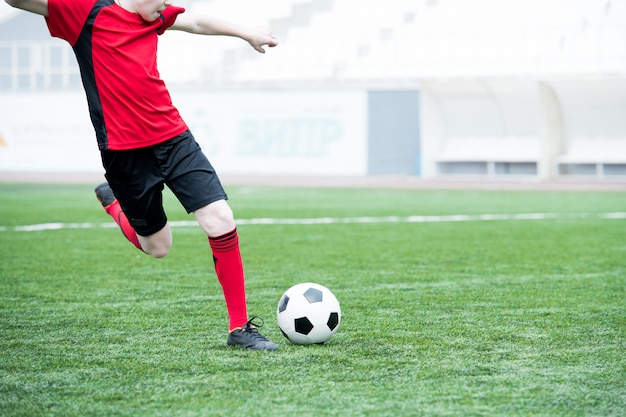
[216, 218]
[157, 244]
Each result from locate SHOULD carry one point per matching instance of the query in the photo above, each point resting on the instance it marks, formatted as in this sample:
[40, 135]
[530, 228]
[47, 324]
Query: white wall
[47, 132]
[506, 127]
[480, 121]
[278, 133]
[520, 127]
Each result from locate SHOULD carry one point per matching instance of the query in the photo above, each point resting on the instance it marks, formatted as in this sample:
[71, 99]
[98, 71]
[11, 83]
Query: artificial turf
[441, 317]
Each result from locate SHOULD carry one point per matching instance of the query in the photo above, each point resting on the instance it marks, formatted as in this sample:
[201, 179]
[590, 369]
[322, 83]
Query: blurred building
[506, 89]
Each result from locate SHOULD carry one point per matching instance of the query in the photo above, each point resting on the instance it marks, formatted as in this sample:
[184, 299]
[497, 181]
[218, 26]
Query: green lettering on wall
[287, 138]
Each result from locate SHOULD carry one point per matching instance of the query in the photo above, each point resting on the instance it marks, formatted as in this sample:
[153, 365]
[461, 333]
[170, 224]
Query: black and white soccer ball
[308, 313]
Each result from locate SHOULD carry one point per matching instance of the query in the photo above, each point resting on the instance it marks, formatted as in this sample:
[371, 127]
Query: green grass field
[440, 318]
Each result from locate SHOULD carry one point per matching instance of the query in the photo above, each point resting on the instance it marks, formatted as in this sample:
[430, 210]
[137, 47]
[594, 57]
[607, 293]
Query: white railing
[399, 40]
[37, 65]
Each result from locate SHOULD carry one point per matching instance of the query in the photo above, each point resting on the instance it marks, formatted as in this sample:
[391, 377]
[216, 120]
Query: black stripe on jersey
[162, 21]
[84, 55]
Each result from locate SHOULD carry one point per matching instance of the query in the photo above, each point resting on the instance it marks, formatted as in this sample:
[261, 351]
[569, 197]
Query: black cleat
[248, 337]
[105, 194]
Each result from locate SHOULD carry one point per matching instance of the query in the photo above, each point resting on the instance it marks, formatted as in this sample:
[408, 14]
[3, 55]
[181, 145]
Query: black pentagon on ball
[333, 321]
[313, 295]
[282, 305]
[303, 325]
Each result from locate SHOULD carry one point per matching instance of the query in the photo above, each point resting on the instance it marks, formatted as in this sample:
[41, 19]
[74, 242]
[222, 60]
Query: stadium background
[522, 91]
[455, 302]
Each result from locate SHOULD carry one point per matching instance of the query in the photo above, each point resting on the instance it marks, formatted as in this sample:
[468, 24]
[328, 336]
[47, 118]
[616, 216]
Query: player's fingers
[273, 41]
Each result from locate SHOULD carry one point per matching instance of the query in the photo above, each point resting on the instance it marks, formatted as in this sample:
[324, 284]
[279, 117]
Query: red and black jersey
[116, 50]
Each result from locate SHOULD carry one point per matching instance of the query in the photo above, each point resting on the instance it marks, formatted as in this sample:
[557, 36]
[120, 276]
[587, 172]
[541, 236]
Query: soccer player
[144, 142]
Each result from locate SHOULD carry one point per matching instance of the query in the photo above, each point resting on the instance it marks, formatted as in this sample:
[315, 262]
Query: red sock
[229, 269]
[115, 210]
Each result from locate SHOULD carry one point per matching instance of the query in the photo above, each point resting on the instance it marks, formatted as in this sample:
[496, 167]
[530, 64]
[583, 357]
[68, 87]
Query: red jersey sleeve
[168, 17]
[66, 18]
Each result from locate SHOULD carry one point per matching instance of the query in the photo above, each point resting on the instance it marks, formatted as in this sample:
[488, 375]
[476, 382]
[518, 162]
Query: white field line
[344, 220]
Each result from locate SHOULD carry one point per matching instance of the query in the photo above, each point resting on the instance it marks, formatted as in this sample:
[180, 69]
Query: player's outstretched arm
[257, 37]
[35, 6]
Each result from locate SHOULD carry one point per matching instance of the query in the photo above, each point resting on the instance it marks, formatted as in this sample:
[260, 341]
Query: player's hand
[260, 37]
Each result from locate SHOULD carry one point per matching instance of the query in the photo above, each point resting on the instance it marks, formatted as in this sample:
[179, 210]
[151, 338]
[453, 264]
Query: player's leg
[112, 207]
[217, 221]
[133, 198]
[199, 190]
[156, 244]
[216, 218]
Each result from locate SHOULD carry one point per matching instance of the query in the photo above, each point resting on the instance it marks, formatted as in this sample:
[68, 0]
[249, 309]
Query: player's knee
[224, 220]
[157, 245]
[158, 255]
[158, 252]
[216, 218]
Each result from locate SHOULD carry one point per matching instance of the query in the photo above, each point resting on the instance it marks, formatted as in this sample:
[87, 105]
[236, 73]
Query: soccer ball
[308, 313]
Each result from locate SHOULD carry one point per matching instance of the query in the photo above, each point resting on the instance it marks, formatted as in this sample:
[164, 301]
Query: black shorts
[137, 178]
